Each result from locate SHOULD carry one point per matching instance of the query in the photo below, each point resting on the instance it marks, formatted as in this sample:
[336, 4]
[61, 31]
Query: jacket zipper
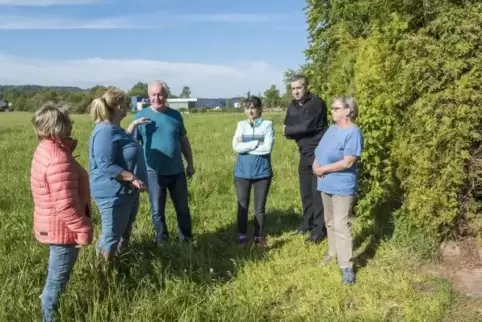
[252, 167]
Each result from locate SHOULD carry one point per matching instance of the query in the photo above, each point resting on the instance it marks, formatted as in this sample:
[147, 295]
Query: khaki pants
[338, 211]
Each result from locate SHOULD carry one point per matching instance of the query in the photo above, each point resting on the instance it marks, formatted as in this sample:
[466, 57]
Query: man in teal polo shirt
[164, 141]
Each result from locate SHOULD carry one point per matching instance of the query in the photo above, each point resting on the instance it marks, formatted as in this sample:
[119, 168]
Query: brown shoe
[260, 242]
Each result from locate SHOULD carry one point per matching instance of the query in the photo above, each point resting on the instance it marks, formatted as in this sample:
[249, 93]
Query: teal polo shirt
[161, 140]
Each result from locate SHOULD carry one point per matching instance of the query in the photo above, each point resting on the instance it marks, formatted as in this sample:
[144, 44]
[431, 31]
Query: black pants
[313, 220]
[243, 190]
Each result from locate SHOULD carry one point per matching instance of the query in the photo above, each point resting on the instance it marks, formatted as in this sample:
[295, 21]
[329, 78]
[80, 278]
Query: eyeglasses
[336, 108]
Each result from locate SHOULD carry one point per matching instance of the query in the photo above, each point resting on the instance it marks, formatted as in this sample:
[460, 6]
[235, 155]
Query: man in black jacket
[305, 122]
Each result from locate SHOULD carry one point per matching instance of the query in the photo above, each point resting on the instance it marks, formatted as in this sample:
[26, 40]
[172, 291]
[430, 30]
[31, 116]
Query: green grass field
[210, 280]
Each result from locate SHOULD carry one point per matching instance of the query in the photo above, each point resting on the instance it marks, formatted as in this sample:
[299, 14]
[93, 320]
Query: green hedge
[416, 72]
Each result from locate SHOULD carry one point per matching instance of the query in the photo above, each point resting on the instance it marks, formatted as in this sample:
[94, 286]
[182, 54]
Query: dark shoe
[315, 239]
[242, 241]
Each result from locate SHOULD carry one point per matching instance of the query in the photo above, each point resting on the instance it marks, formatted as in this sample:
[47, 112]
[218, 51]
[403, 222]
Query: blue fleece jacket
[253, 144]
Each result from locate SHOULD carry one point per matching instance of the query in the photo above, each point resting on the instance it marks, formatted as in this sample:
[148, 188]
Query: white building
[177, 103]
[211, 103]
[140, 105]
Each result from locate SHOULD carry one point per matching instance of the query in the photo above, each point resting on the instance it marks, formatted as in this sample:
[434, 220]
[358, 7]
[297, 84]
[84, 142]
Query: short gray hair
[52, 121]
[158, 82]
[349, 103]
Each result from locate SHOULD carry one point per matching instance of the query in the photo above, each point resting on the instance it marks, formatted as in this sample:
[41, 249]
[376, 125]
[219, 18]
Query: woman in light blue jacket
[253, 141]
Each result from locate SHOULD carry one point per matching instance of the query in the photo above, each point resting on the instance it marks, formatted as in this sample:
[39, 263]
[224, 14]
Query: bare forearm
[338, 166]
[186, 150]
[126, 176]
[132, 127]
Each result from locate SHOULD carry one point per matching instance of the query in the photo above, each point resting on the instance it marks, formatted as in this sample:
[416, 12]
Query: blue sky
[218, 48]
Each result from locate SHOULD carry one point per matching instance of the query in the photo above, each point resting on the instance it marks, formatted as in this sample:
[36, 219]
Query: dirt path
[461, 263]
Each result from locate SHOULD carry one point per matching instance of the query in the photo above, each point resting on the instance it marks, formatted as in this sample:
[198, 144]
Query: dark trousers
[313, 220]
[157, 190]
[243, 190]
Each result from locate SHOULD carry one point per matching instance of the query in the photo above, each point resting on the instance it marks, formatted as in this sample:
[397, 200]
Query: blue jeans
[118, 215]
[157, 189]
[61, 262]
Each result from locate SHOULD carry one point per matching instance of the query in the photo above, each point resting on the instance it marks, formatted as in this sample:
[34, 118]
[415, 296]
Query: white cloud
[45, 2]
[149, 21]
[13, 22]
[205, 80]
[228, 17]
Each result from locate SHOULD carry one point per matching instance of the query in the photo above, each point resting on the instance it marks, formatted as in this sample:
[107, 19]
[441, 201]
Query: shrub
[416, 73]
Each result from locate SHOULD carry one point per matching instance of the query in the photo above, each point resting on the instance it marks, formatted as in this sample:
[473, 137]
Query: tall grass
[210, 280]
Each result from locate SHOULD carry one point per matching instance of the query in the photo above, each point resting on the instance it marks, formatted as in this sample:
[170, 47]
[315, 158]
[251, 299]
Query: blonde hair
[101, 108]
[349, 103]
[52, 121]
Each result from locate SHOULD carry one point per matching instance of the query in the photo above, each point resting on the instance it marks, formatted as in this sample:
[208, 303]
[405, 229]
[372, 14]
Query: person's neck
[344, 123]
[253, 120]
[114, 121]
[302, 100]
[159, 109]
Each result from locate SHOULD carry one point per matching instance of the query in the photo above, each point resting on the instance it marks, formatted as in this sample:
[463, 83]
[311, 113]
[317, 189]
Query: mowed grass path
[210, 280]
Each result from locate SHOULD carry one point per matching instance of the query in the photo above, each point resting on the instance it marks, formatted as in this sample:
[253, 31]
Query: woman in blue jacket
[253, 141]
[117, 172]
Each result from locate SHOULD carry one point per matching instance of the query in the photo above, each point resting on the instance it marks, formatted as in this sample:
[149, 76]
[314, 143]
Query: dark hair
[298, 77]
[255, 101]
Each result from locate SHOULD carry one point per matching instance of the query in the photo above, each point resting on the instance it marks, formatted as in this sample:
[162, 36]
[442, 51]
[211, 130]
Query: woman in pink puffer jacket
[62, 206]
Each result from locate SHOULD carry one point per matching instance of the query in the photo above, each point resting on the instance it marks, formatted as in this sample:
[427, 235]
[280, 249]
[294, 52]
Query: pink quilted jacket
[61, 195]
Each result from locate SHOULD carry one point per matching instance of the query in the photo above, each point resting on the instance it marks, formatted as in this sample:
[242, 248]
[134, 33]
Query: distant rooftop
[181, 100]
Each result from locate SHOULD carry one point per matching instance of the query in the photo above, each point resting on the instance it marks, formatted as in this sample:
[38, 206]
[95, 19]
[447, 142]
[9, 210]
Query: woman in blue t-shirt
[117, 172]
[336, 166]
